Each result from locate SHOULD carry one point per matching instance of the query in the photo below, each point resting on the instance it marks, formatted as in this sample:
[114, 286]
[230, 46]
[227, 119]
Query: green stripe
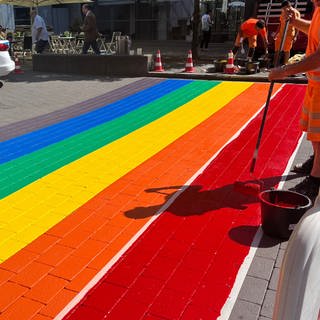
[20, 172]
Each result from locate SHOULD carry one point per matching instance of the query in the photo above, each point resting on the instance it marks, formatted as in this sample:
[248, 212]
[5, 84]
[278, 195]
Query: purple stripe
[22, 127]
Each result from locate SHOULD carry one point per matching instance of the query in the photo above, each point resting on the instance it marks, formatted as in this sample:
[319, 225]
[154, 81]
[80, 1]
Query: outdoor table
[67, 44]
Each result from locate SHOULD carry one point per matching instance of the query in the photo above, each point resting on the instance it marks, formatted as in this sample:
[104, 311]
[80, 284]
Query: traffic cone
[158, 64]
[229, 68]
[17, 69]
[189, 63]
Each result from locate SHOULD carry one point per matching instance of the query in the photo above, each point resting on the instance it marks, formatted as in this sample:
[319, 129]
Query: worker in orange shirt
[291, 35]
[250, 29]
[309, 119]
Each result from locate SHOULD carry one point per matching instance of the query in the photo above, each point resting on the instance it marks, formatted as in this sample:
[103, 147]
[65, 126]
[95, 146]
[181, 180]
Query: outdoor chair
[102, 44]
[21, 46]
[111, 47]
[79, 43]
[17, 45]
[55, 45]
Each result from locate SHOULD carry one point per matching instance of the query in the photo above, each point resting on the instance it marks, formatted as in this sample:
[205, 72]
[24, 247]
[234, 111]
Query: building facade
[165, 19]
[143, 19]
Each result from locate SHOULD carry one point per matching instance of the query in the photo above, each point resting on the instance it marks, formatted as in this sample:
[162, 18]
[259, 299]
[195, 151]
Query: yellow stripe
[29, 212]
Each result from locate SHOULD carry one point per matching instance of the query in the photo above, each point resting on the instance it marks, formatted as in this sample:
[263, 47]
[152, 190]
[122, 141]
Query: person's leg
[202, 40]
[315, 172]
[252, 45]
[235, 50]
[251, 53]
[40, 46]
[95, 47]
[207, 39]
[85, 48]
[309, 123]
[236, 46]
[304, 167]
[299, 273]
[276, 58]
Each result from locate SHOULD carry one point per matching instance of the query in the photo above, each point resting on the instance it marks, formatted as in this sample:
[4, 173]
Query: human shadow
[196, 200]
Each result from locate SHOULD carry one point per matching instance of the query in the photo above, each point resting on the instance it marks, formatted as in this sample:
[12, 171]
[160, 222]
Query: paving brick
[22, 309]
[57, 303]
[261, 268]
[268, 248]
[245, 310]
[274, 279]
[46, 289]
[253, 290]
[32, 274]
[50, 91]
[268, 304]
[9, 293]
[279, 258]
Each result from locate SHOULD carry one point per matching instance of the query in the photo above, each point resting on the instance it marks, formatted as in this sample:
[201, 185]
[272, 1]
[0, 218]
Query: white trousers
[298, 293]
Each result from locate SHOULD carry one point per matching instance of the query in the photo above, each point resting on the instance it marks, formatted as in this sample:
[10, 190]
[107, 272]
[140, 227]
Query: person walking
[39, 32]
[309, 122]
[206, 24]
[250, 29]
[291, 35]
[3, 35]
[90, 30]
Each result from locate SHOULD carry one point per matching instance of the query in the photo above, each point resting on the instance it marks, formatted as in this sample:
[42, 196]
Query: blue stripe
[30, 142]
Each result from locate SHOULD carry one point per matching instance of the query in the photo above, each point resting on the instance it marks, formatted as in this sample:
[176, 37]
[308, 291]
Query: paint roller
[249, 187]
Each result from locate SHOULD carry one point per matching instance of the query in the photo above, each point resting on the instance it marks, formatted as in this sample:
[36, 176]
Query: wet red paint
[285, 205]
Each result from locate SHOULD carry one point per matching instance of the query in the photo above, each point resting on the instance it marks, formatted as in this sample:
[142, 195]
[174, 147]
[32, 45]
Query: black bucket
[281, 210]
[220, 65]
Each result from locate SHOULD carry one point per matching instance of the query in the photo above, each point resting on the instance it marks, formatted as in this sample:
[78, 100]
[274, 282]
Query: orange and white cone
[17, 69]
[229, 68]
[189, 63]
[158, 64]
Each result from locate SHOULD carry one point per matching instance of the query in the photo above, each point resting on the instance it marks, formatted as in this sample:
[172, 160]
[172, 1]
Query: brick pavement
[26, 95]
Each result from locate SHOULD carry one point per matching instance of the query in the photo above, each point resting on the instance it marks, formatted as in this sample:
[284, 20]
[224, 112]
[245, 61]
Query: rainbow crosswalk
[73, 193]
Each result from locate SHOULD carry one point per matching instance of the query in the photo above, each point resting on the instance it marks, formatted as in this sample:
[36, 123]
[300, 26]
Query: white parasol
[7, 16]
[234, 4]
[38, 3]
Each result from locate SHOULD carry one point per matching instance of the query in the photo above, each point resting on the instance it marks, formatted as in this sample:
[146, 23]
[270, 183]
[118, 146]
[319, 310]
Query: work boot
[304, 167]
[309, 187]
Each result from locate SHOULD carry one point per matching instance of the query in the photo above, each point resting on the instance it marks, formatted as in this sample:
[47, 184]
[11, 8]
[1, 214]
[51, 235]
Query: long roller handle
[255, 153]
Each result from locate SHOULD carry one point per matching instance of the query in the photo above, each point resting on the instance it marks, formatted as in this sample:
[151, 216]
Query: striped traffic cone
[158, 64]
[189, 63]
[229, 68]
[17, 69]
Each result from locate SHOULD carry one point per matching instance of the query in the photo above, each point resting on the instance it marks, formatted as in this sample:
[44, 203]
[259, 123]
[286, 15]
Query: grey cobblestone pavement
[34, 94]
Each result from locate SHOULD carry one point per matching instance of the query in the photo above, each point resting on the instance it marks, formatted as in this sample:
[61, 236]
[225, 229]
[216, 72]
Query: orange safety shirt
[287, 44]
[313, 43]
[309, 120]
[249, 28]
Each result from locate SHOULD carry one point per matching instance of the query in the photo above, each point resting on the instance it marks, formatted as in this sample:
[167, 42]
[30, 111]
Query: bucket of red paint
[281, 210]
